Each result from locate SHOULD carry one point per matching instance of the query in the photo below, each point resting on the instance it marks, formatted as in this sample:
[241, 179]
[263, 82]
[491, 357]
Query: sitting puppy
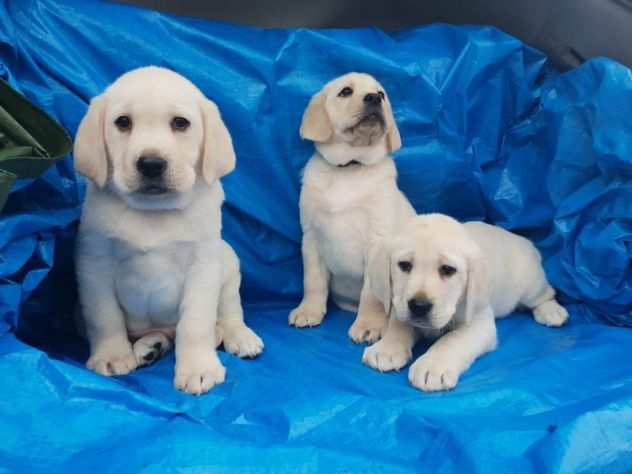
[449, 281]
[349, 199]
[151, 263]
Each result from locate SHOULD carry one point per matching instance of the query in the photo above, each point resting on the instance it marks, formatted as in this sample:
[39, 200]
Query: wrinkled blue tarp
[490, 132]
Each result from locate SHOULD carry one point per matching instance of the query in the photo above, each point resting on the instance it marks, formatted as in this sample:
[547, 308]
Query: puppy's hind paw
[550, 313]
[367, 329]
[386, 357]
[242, 341]
[151, 347]
[306, 315]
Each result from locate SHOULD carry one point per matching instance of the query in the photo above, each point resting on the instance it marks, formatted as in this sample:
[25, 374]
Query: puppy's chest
[342, 230]
[149, 284]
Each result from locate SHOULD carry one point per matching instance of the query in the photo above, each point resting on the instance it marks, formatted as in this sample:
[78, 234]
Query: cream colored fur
[345, 209]
[495, 272]
[153, 267]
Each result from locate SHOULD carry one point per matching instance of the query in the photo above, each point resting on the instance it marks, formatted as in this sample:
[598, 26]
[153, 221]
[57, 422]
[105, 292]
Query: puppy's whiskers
[358, 115]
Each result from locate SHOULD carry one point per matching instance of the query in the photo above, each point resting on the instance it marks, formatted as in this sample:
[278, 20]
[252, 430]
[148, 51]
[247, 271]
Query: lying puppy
[349, 199]
[151, 263]
[448, 280]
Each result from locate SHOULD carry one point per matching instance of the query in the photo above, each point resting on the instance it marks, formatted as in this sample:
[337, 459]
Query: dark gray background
[569, 31]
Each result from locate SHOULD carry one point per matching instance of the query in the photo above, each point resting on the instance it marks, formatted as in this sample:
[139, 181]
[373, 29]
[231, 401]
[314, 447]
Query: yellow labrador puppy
[448, 281]
[349, 199]
[151, 263]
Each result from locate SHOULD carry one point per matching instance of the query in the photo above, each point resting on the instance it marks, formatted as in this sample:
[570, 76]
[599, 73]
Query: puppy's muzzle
[151, 166]
[152, 169]
[372, 99]
[372, 115]
[419, 308]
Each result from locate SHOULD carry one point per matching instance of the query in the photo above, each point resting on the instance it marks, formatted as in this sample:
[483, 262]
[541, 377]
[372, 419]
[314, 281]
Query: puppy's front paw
[198, 375]
[242, 341]
[384, 356]
[114, 360]
[151, 347]
[433, 374]
[550, 313]
[367, 329]
[307, 315]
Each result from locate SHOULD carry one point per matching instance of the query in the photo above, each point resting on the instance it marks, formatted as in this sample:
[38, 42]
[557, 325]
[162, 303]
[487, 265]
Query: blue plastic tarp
[490, 132]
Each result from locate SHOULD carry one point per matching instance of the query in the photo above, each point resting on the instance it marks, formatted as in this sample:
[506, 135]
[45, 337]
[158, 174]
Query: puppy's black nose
[419, 308]
[372, 99]
[151, 166]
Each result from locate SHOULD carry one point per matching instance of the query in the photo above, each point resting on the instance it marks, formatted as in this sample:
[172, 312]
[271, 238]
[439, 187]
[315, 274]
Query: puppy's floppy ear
[379, 273]
[218, 154]
[89, 149]
[477, 293]
[393, 139]
[316, 125]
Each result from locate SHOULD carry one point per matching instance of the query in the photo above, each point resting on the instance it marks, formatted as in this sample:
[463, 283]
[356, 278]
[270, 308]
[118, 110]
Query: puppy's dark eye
[404, 266]
[123, 123]
[180, 124]
[345, 92]
[381, 94]
[446, 270]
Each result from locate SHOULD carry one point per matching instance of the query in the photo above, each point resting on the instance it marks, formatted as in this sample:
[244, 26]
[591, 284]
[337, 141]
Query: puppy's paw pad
[306, 316]
[148, 349]
[367, 330]
[432, 375]
[384, 357]
[198, 382]
[242, 342]
[112, 364]
[551, 314]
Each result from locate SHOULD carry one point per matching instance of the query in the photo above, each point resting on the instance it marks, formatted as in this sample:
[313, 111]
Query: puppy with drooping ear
[151, 264]
[448, 281]
[349, 199]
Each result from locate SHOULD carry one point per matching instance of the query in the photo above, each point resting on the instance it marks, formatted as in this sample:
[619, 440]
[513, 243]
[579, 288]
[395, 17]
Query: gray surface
[569, 31]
